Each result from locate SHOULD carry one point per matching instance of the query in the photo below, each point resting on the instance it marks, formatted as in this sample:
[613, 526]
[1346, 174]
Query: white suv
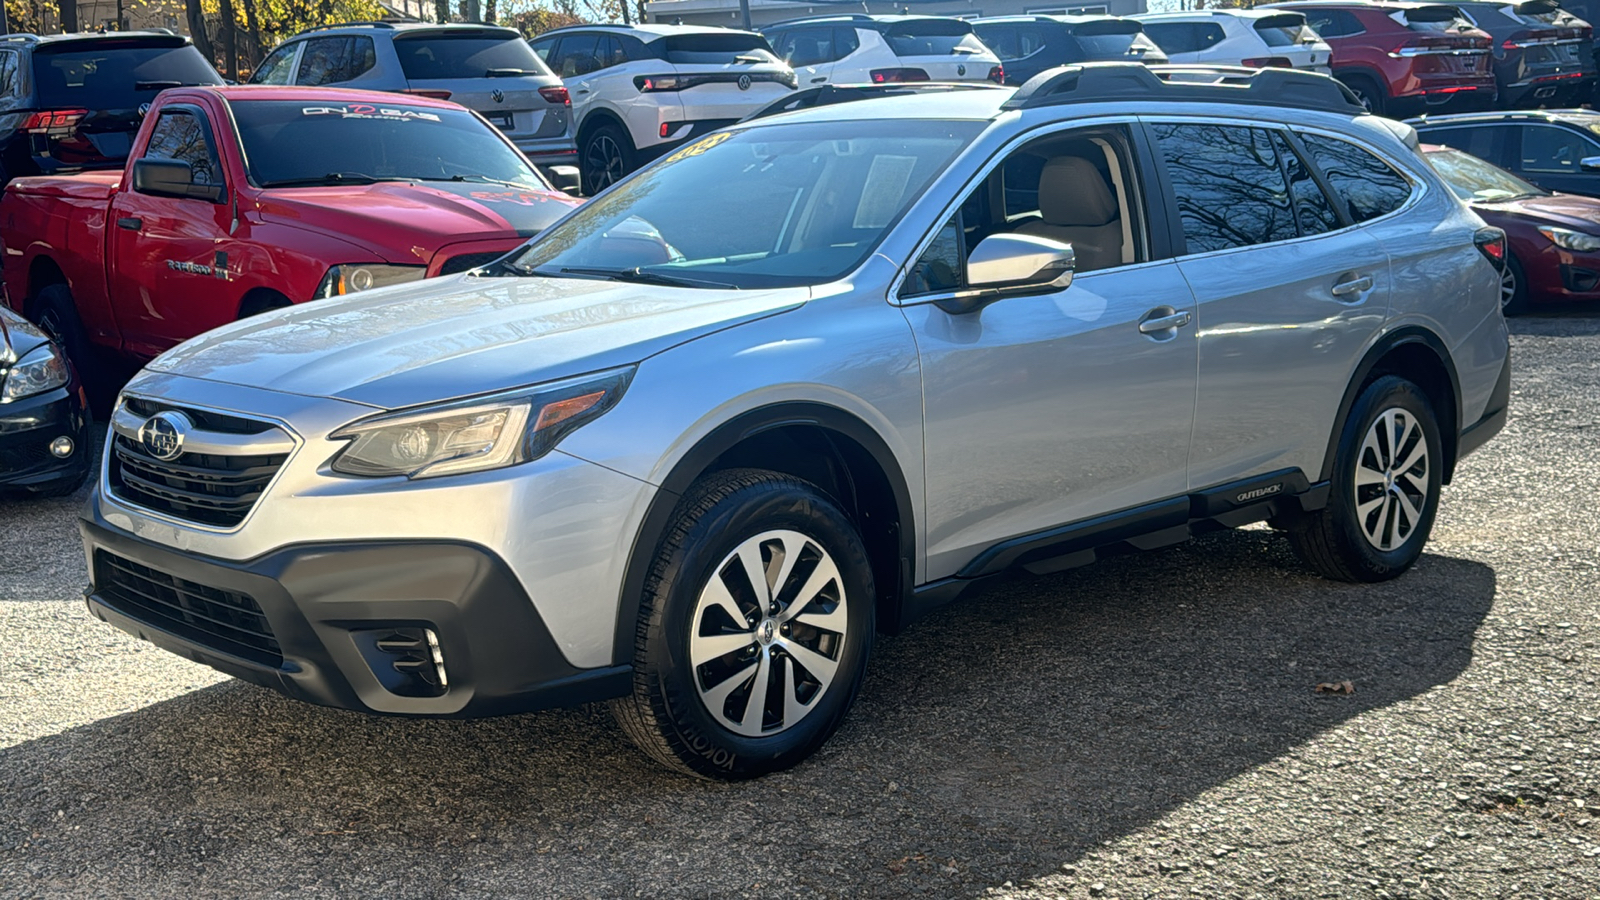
[1239, 37]
[862, 49]
[639, 90]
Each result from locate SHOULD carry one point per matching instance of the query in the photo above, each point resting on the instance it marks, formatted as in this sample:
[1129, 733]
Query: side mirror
[172, 178]
[1004, 265]
[1589, 164]
[564, 178]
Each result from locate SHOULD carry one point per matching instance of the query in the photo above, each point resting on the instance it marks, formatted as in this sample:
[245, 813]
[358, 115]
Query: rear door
[490, 70]
[1289, 291]
[945, 49]
[171, 259]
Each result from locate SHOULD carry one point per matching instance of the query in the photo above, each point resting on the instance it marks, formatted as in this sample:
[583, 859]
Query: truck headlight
[1567, 239]
[41, 370]
[477, 434]
[350, 278]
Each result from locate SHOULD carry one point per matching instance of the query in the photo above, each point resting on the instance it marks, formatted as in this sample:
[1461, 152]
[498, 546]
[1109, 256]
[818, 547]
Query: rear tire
[57, 315]
[1368, 91]
[754, 628]
[608, 156]
[1385, 488]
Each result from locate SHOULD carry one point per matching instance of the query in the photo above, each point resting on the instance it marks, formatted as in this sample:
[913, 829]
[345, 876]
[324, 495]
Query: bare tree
[197, 28]
[254, 24]
[228, 32]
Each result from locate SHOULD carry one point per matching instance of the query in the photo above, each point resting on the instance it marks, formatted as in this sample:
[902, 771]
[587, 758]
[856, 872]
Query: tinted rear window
[464, 56]
[115, 76]
[1108, 37]
[932, 37]
[1432, 19]
[716, 49]
[1285, 31]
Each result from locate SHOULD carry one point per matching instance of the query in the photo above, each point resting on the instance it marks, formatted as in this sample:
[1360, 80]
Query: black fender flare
[1408, 334]
[693, 464]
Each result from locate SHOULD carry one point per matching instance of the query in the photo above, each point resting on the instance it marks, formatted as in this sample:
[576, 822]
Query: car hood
[1568, 210]
[406, 222]
[461, 335]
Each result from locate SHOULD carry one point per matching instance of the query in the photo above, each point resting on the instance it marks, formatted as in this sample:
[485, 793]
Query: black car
[1556, 149]
[1541, 52]
[1028, 45]
[74, 101]
[45, 444]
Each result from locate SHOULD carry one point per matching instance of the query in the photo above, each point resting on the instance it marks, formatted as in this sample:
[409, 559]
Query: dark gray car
[1541, 52]
[487, 69]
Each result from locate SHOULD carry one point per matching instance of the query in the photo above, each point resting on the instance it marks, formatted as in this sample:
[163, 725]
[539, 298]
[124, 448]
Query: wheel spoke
[705, 648]
[1419, 453]
[793, 709]
[1384, 520]
[756, 704]
[793, 545]
[750, 556]
[1366, 476]
[1418, 483]
[1413, 515]
[716, 594]
[820, 667]
[824, 574]
[1365, 509]
[717, 698]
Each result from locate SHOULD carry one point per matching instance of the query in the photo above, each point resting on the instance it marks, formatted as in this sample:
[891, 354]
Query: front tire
[1513, 288]
[1385, 488]
[608, 156]
[57, 316]
[754, 628]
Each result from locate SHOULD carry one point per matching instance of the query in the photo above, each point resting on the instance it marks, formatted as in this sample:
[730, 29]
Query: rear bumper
[27, 428]
[680, 133]
[328, 610]
[1550, 91]
[1461, 98]
[1494, 415]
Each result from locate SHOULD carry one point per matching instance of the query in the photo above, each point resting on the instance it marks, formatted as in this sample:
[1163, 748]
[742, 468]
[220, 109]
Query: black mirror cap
[566, 179]
[172, 178]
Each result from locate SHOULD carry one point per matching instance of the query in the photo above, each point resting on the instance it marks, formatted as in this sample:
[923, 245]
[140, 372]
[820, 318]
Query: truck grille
[208, 488]
[223, 620]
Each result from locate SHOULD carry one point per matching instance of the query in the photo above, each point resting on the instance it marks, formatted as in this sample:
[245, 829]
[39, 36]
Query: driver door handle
[819, 79]
[131, 223]
[1164, 323]
[1352, 286]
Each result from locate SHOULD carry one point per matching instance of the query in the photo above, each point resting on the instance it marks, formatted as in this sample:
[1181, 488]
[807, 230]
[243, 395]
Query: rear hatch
[490, 70]
[1116, 40]
[90, 95]
[1550, 36]
[1289, 38]
[718, 77]
[1443, 46]
[942, 49]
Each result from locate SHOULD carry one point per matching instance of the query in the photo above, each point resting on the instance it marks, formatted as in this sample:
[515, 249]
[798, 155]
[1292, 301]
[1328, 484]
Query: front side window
[1547, 149]
[324, 61]
[1370, 186]
[579, 54]
[1077, 188]
[276, 67]
[1229, 186]
[182, 135]
[1480, 141]
[769, 206]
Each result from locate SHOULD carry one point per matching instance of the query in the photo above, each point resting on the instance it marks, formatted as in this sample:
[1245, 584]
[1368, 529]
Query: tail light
[1492, 244]
[651, 83]
[52, 119]
[427, 92]
[556, 95]
[997, 74]
[897, 76]
[1267, 62]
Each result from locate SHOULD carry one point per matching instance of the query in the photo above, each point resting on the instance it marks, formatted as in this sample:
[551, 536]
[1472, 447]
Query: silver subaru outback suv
[804, 380]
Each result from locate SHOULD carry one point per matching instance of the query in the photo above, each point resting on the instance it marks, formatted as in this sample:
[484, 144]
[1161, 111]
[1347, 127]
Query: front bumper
[310, 621]
[27, 428]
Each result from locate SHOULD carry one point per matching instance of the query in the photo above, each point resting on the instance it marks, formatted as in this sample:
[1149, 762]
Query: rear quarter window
[1369, 186]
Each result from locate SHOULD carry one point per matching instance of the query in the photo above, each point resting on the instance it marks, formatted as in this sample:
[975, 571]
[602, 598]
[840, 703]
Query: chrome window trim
[122, 503]
[983, 172]
[1419, 188]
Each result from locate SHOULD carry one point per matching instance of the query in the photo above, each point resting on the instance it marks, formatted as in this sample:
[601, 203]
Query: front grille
[467, 261]
[203, 418]
[227, 621]
[200, 487]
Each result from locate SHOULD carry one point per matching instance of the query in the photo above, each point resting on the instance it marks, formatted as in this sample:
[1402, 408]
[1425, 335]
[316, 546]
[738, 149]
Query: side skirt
[1281, 495]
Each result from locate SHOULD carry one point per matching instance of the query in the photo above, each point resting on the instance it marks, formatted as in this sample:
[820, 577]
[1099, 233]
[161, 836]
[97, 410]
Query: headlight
[1571, 240]
[350, 278]
[482, 433]
[35, 373]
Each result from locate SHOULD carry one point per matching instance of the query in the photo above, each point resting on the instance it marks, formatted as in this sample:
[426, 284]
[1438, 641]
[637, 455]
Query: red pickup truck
[237, 200]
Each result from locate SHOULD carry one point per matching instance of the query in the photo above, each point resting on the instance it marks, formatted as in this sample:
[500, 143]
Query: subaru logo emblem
[961, 70]
[498, 95]
[744, 82]
[162, 434]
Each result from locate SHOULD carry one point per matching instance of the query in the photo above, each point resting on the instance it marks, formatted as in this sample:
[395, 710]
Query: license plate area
[501, 121]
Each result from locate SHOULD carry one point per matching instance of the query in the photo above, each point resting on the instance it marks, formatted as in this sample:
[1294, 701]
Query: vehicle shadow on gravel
[997, 741]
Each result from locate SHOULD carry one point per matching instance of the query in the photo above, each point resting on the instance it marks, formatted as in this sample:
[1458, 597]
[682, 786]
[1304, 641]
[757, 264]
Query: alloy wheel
[1508, 287]
[768, 630]
[1391, 479]
[602, 164]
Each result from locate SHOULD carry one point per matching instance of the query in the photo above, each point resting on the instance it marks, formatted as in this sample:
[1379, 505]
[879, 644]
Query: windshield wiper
[484, 179]
[637, 275]
[328, 179]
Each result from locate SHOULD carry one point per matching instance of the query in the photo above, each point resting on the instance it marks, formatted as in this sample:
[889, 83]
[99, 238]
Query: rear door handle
[131, 223]
[819, 79]
[1352, 286]
[1164, 323]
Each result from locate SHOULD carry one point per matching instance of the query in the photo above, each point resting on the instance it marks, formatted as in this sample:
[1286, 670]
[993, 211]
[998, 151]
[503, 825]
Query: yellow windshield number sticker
[700, 146]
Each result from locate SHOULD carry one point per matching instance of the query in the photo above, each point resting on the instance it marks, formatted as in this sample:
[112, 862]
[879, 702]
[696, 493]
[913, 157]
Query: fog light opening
[407, 660]
[62, 447]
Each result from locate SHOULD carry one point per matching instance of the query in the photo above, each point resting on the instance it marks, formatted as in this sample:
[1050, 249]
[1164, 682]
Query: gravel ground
[1146, 727]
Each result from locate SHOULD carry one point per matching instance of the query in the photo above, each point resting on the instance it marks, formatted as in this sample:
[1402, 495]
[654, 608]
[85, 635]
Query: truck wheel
[1385, 488]
[1367, 91]
[57, 315]
[754, 628]
[607, 158]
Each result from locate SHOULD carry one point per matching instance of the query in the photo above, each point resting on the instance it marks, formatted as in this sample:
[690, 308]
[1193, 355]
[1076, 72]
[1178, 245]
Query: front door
[1552, 157]
[169, 255]
[1047, 409]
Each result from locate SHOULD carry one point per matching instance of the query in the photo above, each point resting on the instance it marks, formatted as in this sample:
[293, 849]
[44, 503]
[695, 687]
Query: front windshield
[291, 143]
[784, 204]
[1476, 181]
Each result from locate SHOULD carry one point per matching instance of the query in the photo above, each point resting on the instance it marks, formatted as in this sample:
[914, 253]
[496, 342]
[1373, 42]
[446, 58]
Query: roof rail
[1094, 82]
[332, 25]
[19, 36]
[828, 17]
